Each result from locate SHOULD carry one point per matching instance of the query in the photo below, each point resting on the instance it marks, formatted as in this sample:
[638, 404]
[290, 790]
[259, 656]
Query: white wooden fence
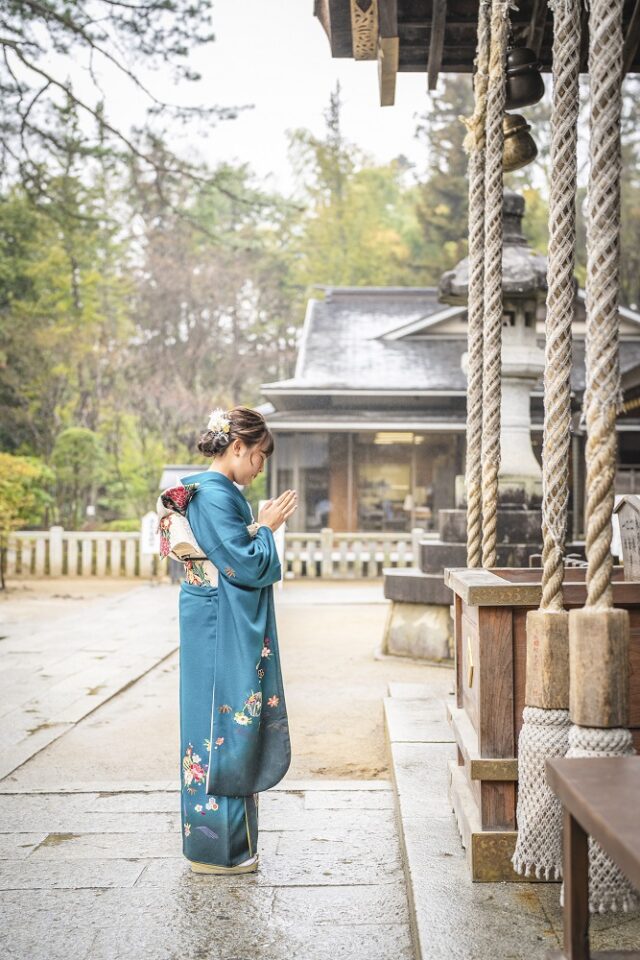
[63, 553]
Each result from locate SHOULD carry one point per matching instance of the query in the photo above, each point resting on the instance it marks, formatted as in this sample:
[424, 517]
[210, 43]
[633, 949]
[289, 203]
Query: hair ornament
[220, 425]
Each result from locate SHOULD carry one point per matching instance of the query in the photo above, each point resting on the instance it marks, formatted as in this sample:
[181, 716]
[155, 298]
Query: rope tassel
[609, 889]
[545, 733]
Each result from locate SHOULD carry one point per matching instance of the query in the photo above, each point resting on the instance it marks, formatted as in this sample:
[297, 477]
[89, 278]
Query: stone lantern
[524, 285]
[420, 624]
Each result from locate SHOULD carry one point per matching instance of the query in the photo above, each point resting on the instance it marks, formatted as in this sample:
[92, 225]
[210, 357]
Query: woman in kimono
[233, 723]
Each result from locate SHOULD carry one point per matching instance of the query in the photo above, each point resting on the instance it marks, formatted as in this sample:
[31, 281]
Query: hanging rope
[475, 145]
[560, 298]
[546, 723]
[599, 633]
[492, 328]
[602, 392]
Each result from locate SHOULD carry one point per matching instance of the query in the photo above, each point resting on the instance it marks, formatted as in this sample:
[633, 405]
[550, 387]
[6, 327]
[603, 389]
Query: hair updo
[244, 424]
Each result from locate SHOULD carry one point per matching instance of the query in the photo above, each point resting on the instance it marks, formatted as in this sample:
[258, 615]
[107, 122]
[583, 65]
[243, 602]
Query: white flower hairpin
[219, 424]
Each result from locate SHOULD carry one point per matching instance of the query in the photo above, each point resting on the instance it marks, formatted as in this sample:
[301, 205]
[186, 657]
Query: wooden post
[41, 555]
[116, 557]
[547, 679]
[25, 557]
[599, 667]
[55, 551]
[296, 559]
[326, 546]
[343, 560]
[72, 556]
[86, 560]
[101, 557]
[417, 534]
[576, 889]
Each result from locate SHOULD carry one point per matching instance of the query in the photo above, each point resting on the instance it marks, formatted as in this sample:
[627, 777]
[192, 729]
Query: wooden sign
[627, 511]
[149, 537]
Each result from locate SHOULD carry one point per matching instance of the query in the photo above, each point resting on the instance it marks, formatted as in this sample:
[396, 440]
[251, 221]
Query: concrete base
[424, 632]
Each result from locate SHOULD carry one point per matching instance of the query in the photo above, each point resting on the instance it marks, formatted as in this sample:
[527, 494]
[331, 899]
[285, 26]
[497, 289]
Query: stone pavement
[91, 867]
[96, 871]
[54, 675]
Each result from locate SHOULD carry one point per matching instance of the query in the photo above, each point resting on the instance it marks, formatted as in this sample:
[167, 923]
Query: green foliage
[77, 461]
[359, 226]
[24, 497]
[115, 346]
[442, 197]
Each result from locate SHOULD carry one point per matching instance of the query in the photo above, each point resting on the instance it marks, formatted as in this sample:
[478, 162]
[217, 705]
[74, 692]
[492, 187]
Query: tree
[63, 297]
[44, 41]
[77, 462]
[442, 196]
[358, 224]
[213, 306]
[24, 496]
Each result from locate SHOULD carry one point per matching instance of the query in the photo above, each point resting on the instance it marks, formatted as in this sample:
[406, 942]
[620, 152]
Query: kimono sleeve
[240, 558]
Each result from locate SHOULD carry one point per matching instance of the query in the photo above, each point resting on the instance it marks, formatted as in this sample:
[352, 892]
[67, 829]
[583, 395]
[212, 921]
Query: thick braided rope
[492, 329]
[608, 888]
[560, 297]
[602, 392]
[475, 144]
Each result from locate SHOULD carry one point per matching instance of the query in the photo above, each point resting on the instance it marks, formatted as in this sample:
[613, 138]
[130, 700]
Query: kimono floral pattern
[194, 777]
[193, 771]
[251, 709]
[195, 573]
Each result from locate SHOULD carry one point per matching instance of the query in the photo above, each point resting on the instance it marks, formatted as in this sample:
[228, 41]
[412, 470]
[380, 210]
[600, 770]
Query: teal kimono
[233, 722]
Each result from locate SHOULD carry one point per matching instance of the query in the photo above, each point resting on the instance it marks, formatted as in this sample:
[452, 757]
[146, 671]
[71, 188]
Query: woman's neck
[219, 469]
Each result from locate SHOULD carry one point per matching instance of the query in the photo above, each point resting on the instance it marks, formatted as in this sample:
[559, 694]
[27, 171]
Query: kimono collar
[207, 475]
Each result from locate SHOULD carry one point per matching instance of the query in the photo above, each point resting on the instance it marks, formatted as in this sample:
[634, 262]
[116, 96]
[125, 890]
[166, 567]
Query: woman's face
[248, 462]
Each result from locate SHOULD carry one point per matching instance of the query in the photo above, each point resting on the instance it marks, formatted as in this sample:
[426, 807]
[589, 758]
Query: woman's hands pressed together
[275, 512]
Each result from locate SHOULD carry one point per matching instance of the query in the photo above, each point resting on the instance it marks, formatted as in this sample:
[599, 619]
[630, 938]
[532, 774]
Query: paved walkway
[99, 874]
[91, 867]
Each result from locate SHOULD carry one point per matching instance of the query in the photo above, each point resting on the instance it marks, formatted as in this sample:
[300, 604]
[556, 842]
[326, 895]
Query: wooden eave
[439, 36]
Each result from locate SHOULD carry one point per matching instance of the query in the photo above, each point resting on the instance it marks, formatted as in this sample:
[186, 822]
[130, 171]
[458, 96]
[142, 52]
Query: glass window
[313, 481]
[403, 479]
[302, 464]
[382, 464]
[284, 461]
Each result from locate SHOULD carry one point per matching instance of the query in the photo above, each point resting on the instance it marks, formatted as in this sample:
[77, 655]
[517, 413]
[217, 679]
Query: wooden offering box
[490, 611]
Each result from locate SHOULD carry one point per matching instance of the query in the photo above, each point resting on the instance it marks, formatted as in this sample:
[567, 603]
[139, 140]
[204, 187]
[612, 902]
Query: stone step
[414, 586]
[451, 917]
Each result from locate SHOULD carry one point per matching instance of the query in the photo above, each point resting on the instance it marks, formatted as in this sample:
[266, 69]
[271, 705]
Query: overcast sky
[274, 54]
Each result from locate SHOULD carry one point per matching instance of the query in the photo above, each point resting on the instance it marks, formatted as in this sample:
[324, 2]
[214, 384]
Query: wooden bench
[601, 799]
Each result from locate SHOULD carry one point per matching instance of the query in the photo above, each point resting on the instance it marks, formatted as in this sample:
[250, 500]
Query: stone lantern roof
[524, 273]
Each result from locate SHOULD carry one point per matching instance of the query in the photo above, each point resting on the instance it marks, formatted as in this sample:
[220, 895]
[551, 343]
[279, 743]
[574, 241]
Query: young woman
[233, 722]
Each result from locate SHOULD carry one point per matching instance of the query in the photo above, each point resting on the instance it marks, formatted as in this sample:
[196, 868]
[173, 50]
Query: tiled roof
[342, 346]
[340, 349]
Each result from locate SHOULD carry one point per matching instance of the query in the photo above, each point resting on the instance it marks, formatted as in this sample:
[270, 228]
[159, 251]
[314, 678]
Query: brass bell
[524, 85]
[519, 146]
